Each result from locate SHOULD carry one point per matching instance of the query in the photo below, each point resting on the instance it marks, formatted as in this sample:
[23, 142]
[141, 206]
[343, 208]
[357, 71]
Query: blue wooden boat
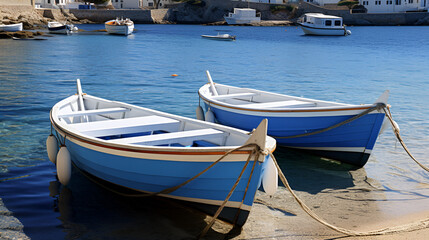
[292, 120]
[150, 151]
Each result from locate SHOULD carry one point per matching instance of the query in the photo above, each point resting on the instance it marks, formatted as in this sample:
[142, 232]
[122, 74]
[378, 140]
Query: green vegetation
[349, 3]
[281, 8]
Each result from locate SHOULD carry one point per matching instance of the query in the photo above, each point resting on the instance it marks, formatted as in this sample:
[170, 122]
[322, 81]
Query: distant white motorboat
[61, 28]
[243, 16]
[11, 27]
[120, 26]
[223, 37]
[323, 25]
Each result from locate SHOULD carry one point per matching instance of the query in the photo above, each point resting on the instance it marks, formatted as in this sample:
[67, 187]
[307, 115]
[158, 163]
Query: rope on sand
[397, 229]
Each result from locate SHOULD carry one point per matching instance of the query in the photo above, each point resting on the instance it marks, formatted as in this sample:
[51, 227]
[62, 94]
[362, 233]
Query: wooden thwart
[173, 137]
[127, 126]
[290, 103]
[233, 95]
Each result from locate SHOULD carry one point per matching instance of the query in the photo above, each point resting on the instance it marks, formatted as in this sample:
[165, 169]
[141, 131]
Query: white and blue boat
[300, 123]
[150, 151]
[61, 28]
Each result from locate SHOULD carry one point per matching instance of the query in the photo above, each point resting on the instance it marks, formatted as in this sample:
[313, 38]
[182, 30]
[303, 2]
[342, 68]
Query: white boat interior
[255, 99]
[120, 123]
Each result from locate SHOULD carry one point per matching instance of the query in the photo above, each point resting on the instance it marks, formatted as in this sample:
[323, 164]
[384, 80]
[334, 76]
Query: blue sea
[138, 69]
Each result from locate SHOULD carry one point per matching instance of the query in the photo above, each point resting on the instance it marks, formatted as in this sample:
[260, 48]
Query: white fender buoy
[349, 32]
[52, 148]
[64, 165]
[395, 125]
[200, 113]
[210, 116]
[270, 177]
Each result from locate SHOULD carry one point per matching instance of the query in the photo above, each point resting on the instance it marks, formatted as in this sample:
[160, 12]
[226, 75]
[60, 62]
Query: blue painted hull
[152, 175]
[351, 143]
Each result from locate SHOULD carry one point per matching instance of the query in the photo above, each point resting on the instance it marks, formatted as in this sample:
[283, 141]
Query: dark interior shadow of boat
[90, 211]
[313, 174]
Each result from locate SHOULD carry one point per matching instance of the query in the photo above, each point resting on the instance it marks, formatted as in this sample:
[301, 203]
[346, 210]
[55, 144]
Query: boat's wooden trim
[172, 137]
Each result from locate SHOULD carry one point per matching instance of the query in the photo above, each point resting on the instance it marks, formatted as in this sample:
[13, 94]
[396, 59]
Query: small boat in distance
[322, 25]
[339, 131]
[120, 26]
[61, 28]
[11, 27]
[219, 36]
[155, 152]
[243, 16]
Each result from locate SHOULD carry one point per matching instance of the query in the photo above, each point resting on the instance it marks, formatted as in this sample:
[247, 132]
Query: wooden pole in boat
[211, 83]
[80, 98]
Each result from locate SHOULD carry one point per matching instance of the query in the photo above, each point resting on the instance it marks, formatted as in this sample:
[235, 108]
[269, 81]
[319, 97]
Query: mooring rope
[403, 228]
[378, 106]
[398, 136]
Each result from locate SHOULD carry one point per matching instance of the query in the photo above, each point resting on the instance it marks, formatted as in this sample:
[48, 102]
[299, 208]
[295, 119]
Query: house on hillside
[133, 4]
[384, 6]
[69, 4]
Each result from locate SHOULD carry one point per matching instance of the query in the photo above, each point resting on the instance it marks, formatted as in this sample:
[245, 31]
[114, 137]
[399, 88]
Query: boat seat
[289, 103]
[94, 112]
[233, 95]
[184, 137]
[127, 126]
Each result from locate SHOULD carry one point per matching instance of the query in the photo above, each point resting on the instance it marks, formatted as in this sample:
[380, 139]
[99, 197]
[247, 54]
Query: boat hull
[308, 30]
[154, 171]
[65, 29]
[11, 27]
[119, 29]
[350, 143]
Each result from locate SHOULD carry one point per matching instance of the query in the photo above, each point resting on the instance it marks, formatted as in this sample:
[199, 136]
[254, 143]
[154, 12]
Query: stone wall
[100, 16]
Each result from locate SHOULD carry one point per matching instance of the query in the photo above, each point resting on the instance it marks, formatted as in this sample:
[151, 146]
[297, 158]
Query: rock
[20, 34]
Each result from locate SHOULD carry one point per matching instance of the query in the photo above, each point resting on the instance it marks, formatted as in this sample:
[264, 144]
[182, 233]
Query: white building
[387, 6]
[162, 3]
[132, 4]
[126, 4]
[384, 6]
[69, 4]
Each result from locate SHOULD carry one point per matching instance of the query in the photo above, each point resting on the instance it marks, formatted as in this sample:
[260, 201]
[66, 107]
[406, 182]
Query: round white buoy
[64, 165]
[349, 32]
[210, 116]
[270, 177]
[395, 125]
[52, 148]
[200, 113]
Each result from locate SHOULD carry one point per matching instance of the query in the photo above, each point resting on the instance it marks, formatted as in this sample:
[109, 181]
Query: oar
[211, 83]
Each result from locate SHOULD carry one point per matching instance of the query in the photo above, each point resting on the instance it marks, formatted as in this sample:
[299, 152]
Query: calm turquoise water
[137, 69]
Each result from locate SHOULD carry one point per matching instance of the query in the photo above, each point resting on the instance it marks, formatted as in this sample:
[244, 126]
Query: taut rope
[377, 106]
[398, 136]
